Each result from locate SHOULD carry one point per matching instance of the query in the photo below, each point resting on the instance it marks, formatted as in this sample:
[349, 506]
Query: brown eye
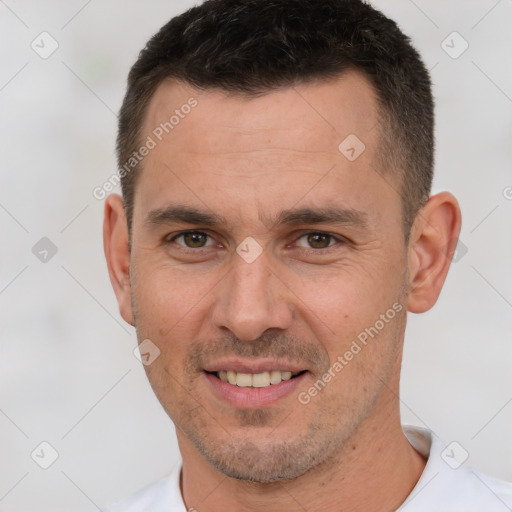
[192, 239]
[317, 240]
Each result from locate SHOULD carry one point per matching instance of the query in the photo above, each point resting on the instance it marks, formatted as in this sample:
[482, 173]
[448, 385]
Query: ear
[432, 244]
[117, 253]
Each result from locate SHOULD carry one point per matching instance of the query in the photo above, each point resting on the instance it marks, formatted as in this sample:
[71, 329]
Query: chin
[250, 464]
[265, 462]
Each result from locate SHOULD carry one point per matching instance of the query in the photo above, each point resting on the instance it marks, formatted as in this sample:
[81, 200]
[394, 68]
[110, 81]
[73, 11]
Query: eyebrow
[178, 213]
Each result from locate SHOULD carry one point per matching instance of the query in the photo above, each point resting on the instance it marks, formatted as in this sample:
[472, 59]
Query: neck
[376, 469]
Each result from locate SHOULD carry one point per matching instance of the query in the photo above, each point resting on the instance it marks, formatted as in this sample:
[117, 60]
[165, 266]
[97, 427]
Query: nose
[251, 299]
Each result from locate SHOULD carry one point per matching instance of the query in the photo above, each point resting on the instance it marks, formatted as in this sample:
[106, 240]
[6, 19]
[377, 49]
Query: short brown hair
[255, 46]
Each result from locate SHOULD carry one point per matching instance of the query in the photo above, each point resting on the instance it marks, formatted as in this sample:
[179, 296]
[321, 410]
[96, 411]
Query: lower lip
[253, 398]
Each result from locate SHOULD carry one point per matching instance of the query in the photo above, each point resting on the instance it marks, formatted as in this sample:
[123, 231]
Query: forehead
[316, 140]
[312, 117]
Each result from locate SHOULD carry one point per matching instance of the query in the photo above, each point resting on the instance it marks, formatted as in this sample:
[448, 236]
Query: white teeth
[255, 380]
[261, 380]
[275, 377]
[244, 380]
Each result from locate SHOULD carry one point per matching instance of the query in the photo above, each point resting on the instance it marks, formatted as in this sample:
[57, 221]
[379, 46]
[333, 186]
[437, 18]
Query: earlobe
[117, 253]
[432, 244]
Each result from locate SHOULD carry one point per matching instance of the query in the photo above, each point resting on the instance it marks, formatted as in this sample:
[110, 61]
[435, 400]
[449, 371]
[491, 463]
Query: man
[276, 225]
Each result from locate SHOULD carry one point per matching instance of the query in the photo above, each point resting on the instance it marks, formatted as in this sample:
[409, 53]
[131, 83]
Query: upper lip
[256, 366]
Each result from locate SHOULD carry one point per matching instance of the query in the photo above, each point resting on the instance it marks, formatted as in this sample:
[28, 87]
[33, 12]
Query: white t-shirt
[444, 486]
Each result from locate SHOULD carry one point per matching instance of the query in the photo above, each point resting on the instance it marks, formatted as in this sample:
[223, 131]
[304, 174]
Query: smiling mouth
[255, 380]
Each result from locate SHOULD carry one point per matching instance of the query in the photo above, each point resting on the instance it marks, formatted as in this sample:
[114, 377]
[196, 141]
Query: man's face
[293, 297]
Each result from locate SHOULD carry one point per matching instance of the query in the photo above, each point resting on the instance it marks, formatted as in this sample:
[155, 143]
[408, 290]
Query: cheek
[167, 309]
[355, 312]
[167, 296]
[346, 297]
[168, 312]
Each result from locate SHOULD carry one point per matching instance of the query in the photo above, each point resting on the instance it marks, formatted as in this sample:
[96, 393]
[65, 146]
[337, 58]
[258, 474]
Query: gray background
[68, 373]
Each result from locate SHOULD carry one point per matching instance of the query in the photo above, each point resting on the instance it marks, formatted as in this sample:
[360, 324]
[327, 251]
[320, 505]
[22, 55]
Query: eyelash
[339, 239]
